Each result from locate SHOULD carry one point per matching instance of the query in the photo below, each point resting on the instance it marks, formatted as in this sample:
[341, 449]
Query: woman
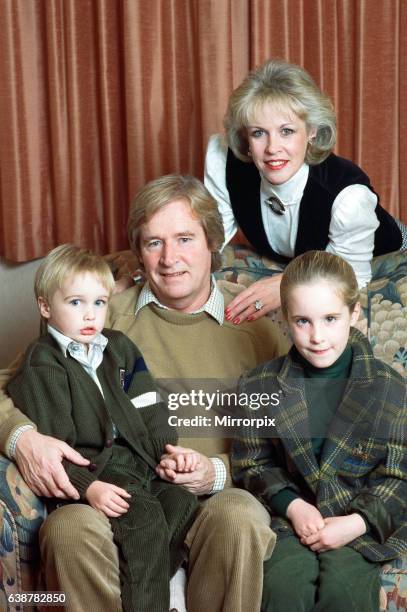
[278, 180]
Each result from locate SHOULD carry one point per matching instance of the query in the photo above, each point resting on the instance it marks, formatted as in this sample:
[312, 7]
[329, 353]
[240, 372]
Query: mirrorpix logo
[257, 422]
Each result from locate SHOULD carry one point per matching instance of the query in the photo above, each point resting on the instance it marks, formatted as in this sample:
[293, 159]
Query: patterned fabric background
[384, 300]
[21, 516]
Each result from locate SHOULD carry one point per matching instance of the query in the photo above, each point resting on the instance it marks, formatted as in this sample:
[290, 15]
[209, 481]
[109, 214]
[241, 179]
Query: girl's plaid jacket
[363, 466]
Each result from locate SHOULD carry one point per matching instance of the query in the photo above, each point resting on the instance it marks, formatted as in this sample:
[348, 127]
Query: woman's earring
[249, 153]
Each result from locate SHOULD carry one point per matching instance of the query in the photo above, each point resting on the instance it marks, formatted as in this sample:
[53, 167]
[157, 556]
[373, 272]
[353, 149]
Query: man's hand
[39, 459]
[196, 473]
[107, 498]
[305, 518]
[266, 291]
[337, 532]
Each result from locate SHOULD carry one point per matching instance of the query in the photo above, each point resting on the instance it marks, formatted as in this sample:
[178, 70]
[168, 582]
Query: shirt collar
[215, 305]
[65, 343]
[291, 191]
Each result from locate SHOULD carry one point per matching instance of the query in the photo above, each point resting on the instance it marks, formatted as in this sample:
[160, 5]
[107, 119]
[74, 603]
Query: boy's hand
[337, 532]
[305, 518]
[185, 460]
[198, 480]
[107, 498]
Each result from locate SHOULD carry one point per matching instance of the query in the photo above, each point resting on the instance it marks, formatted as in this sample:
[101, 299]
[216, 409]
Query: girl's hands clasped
[337, 532]
[306, 519]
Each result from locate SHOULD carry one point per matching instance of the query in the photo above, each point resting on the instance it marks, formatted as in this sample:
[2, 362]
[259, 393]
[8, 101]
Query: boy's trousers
[150, 535]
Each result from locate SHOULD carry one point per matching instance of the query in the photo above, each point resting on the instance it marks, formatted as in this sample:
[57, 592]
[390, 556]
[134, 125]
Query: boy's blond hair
[320, 265]
[65, 261]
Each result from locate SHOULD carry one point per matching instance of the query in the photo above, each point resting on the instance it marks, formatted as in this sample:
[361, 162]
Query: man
[177, 321]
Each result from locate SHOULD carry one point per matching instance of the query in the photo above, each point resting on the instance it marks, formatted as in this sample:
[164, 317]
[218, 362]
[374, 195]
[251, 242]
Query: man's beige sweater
[178, 345]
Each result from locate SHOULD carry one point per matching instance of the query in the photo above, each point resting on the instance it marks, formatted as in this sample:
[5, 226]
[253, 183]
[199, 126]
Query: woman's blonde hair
[287, 86]
[166, 189]
[65, 261]
[320, 265]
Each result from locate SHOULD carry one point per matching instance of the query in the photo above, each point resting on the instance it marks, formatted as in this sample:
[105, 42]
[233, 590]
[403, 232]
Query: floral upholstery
[21, 516]
[384, 319]
[384, 300]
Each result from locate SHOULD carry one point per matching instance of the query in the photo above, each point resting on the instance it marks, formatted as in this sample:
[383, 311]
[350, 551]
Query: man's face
[176, 257]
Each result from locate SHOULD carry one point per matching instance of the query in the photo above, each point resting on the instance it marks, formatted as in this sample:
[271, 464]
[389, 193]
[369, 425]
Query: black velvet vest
[325, 181]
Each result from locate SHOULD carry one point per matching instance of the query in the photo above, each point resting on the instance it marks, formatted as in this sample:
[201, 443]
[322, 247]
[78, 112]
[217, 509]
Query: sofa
[383, 320]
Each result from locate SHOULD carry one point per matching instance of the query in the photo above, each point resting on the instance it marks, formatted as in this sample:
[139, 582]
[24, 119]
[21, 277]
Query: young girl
[334, 475]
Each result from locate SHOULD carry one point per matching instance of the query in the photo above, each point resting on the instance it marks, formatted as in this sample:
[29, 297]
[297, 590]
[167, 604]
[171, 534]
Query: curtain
[99, 96]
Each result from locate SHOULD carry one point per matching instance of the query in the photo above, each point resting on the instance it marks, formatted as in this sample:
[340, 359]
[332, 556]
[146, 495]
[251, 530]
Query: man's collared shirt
[214, 306]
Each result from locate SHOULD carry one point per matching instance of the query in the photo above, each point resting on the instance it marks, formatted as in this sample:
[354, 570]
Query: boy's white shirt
[90, 360]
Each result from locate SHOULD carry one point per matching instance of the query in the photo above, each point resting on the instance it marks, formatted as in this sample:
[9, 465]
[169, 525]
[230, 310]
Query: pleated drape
[99, 96]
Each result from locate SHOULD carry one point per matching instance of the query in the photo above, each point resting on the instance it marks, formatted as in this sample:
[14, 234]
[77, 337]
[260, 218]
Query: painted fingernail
[250, 318]
[236, 321]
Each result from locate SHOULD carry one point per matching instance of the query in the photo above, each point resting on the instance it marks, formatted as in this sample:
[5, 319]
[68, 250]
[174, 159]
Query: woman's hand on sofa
[39, 459]
[254, 302]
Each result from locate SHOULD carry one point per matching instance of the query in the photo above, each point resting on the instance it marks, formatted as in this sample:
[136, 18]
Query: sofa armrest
[21, 516]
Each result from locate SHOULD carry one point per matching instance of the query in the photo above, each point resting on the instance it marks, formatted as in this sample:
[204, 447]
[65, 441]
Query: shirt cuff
[220, 475]
[11, 451]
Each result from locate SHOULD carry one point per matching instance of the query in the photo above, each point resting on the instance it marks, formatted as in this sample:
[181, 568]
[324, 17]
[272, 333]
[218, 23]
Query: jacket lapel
[293, 427]
[353, 418]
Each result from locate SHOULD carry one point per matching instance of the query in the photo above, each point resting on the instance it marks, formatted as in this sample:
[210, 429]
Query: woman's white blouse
[353, 217]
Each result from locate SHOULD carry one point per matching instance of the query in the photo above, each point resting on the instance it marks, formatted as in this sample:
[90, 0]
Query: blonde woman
[275, 177]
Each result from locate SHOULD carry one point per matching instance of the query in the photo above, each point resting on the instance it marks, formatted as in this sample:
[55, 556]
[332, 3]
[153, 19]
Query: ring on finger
[258, 305]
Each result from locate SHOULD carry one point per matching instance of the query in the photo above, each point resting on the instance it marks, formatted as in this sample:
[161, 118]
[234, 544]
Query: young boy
[333, 472]
[93, 391]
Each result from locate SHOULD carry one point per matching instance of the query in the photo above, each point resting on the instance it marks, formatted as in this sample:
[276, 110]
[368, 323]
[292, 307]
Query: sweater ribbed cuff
[281, 501]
